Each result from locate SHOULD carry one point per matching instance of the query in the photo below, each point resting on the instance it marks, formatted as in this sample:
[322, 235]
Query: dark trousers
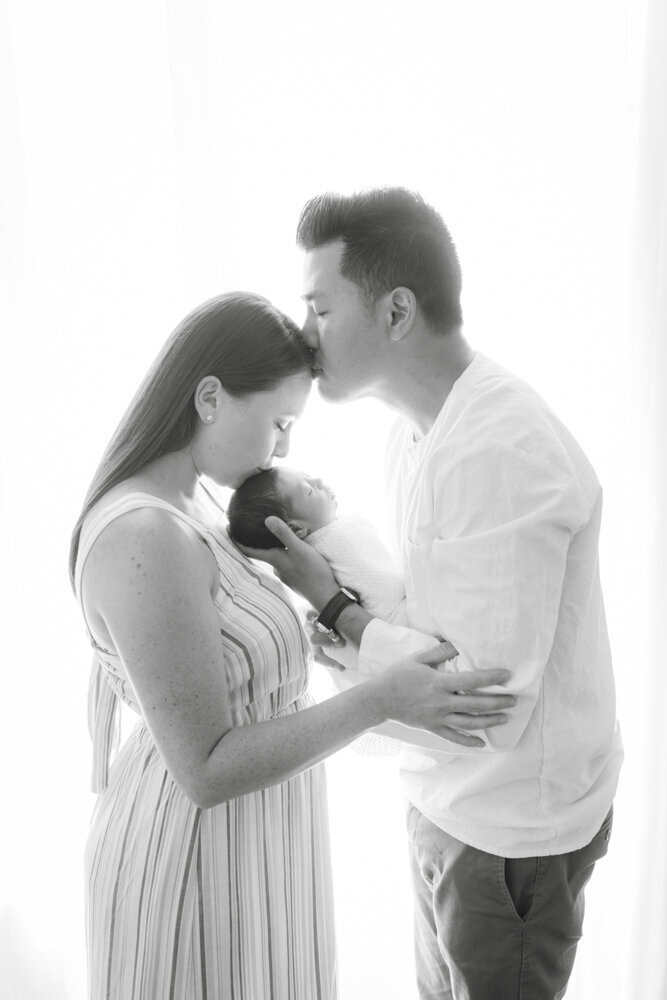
[492, 928]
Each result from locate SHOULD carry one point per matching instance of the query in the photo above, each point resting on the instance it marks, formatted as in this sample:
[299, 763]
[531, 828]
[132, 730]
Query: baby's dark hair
[251, 504]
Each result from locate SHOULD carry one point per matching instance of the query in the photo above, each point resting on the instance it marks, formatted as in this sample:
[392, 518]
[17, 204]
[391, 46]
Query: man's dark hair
[391, 238]
[250, 505]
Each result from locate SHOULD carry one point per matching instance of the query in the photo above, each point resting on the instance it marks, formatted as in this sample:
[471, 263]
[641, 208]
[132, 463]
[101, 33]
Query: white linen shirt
[497, 515]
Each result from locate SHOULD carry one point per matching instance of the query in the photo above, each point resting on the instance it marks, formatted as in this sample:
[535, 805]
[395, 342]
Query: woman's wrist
[380, 690]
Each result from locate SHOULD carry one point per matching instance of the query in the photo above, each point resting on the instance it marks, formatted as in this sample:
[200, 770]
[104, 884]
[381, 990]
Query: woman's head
[236, 345]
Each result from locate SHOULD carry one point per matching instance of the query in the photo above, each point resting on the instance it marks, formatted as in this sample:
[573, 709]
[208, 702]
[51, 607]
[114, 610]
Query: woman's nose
[282, 445]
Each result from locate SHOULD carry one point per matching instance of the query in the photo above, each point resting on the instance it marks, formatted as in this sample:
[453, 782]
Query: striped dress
[228, 903]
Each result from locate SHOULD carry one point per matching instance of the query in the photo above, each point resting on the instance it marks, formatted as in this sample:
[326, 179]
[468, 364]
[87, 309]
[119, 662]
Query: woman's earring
[209, 419]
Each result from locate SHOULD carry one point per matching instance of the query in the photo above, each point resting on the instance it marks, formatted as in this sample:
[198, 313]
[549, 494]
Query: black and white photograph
[333, 493]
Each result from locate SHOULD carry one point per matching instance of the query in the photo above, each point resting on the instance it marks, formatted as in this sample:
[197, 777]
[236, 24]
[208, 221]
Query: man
[497, 514]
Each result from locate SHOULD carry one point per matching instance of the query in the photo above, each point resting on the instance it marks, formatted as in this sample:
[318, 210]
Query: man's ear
[403, 310]
[298, 529]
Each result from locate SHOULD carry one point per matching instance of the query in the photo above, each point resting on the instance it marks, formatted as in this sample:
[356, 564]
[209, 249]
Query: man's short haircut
[256, 499]
[391, 238]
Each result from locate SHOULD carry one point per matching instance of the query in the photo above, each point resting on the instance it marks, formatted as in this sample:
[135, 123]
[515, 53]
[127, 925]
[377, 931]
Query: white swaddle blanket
[361, 561]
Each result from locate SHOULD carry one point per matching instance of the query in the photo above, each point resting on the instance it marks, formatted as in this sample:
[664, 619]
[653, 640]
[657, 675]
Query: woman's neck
[174, 478]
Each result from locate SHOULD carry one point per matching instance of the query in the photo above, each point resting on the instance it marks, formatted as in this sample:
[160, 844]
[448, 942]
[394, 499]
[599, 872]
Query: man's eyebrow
[309, 296]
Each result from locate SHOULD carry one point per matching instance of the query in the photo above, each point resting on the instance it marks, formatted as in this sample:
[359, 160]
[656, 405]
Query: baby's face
[310, 500]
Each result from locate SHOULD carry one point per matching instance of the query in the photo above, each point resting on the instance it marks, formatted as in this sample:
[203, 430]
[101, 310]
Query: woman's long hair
[239, 337]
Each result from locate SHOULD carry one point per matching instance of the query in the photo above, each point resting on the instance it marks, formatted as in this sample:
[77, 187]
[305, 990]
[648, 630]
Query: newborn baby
[350, 544]
[357, 556]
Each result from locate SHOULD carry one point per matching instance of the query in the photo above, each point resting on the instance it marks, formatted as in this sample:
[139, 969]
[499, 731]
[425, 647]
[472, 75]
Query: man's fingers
[282, 531]
[325, 661]
[264, 555]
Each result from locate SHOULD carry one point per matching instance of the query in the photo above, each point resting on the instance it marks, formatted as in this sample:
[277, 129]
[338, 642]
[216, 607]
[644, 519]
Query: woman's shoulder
[129, 522]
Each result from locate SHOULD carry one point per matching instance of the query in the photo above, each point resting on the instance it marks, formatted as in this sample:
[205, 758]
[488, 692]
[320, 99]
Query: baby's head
[304, 503]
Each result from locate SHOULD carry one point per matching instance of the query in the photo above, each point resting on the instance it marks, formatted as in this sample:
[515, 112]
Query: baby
[351, 546]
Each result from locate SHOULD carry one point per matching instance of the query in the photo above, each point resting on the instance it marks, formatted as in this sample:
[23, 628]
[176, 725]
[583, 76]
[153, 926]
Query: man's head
[303, 502]
[375, 262]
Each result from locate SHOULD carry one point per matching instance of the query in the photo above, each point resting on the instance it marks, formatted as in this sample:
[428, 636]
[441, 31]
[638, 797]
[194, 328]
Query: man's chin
[331, 391]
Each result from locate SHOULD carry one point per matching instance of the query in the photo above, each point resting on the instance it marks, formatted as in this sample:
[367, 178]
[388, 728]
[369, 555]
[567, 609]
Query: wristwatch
[328, 616]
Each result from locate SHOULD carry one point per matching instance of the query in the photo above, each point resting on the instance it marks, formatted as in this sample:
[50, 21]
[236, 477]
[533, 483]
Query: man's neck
[419, 386]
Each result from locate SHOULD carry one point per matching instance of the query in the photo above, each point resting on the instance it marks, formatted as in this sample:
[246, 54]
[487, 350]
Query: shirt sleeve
[490, 576]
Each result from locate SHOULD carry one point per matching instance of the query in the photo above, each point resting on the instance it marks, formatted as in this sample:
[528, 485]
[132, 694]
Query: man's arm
[491, 580]
[307, 572]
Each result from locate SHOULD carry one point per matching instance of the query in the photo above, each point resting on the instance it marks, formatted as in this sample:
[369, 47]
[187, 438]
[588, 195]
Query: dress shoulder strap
[107, 513]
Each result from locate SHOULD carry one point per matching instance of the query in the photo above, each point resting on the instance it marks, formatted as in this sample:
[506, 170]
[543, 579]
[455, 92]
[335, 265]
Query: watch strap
[328, 616]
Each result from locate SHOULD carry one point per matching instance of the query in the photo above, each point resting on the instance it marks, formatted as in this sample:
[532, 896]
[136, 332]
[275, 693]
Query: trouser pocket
[520, 876]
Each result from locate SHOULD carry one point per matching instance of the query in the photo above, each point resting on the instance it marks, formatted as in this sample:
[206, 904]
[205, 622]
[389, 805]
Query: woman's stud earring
[209, 419]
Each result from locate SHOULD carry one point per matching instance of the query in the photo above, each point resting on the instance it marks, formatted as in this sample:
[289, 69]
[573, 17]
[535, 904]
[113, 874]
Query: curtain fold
[648, 919]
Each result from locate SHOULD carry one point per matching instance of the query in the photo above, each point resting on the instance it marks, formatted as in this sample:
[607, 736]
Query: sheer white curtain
[649, 874]
[156, 153]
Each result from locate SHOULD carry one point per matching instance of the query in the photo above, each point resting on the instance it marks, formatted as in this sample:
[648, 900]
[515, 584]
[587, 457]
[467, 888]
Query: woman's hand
[444, 703]
[297, 564]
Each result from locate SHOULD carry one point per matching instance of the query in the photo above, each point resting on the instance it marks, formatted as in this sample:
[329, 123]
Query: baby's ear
[298, 529]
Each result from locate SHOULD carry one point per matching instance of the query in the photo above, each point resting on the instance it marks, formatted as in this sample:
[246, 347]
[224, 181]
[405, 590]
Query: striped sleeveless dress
[228, 903]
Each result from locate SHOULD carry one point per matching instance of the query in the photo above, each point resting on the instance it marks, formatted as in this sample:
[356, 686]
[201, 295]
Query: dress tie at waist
[103, 724]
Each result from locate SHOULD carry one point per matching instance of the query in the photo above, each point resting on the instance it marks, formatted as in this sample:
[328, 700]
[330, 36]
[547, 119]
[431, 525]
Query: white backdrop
[157, 152]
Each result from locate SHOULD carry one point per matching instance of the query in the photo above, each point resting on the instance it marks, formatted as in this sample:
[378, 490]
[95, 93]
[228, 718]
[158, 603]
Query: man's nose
[310, 335]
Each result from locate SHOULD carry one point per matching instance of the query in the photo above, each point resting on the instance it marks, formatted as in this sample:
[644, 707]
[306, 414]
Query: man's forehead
[321, 269]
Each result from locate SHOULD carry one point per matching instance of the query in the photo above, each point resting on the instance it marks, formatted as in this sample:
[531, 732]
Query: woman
[208, 858]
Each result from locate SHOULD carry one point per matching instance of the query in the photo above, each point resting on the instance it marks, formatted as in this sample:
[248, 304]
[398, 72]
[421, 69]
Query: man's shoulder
[489, 384]
[501, 418]
[506, 409]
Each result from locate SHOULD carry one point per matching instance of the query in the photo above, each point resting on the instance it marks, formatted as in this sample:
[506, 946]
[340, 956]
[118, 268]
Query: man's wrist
[320, 596]
[352, 622]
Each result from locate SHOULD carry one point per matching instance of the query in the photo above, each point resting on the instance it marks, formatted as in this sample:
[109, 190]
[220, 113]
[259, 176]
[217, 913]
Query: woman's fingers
[480, 704]
[472, 679]
[439, 654]
[454, 736]
[476, 721]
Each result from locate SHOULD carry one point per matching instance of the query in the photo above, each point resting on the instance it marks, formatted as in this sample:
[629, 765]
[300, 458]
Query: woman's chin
[248, 474]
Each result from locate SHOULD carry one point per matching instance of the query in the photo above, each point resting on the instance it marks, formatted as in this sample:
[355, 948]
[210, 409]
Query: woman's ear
[403, 307]
[209, 398]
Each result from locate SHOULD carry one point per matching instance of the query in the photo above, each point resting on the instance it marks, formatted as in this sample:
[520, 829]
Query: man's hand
[297, 564]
